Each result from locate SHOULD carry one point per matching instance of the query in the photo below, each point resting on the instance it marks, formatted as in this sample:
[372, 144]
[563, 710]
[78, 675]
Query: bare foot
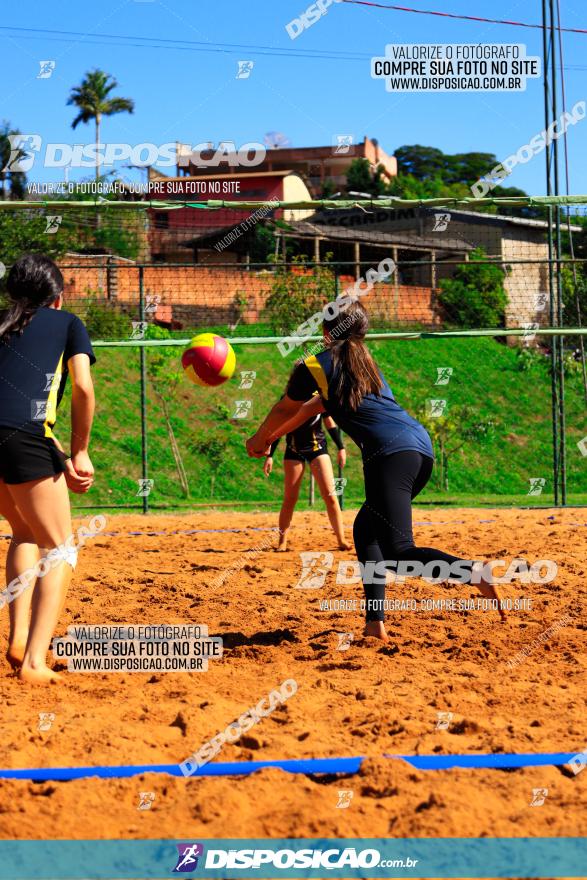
[342, 545]
[282, 546]
[489, 591]
[376, 629]
[15, 654]
[38, 675]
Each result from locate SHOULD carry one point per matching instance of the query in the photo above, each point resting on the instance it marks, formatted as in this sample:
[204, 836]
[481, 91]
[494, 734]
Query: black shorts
[306, 455]
[25, 456]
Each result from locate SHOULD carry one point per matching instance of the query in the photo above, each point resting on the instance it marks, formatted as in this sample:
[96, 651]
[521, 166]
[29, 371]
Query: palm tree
[92, 99]
[16, 179]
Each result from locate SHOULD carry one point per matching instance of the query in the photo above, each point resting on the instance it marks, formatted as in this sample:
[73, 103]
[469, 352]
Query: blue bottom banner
[374, 858]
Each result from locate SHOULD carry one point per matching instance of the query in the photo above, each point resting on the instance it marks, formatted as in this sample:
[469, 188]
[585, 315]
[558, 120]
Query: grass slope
[487, 375]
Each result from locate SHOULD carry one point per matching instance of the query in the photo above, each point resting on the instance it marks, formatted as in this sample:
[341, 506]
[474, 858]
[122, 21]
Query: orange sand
[368, 700]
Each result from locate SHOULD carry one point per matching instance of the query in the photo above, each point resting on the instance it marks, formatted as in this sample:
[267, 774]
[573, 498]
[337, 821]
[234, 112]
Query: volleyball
[209, 360]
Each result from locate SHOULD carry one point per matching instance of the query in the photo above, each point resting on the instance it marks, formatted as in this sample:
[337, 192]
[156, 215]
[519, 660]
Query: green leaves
[23, 231]
[91, 98]
[297, 294]
[475, 296]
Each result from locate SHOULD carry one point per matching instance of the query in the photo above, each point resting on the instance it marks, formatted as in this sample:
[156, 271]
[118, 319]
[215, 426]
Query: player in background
[307, 444]
[40, 346]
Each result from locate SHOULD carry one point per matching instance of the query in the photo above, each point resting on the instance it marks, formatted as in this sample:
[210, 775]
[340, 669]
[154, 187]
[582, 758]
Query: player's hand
[75, 483]
[257, 447]
[79, 474]
[341, 457]
[268, 466]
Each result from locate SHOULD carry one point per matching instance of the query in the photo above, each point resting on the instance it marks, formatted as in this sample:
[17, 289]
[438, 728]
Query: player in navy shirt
[40, 346]
[397, 451]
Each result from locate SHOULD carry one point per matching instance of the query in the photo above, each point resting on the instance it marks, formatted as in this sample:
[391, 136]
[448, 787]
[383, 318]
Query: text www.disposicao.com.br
[134, 664]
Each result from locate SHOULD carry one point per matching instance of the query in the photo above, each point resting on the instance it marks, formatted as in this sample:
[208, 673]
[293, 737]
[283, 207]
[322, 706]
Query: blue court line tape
[305, 765]
[447, 522]
[175, 532]
[190, 531]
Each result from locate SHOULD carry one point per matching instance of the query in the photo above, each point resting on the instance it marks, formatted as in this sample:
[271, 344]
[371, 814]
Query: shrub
[105, 320]
[296, 295]
[475, 295]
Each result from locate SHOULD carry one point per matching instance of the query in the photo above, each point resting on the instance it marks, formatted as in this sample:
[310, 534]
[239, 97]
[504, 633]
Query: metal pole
[341, 493]
[551, 283]
[311, 495]
[559, 278]
[143, 363]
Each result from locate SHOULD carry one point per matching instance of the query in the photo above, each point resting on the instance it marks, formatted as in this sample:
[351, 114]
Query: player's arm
[306, 411]
[82, 415]
[336, 435]
[268, 466]
[300, 389]
[259, 444]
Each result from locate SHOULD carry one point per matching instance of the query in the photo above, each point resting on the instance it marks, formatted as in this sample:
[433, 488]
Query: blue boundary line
[448, 522]
[306, 765]
[177, 532]
[265, 529]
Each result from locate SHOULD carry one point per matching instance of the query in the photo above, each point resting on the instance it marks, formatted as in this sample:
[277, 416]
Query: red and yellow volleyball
[209, 360]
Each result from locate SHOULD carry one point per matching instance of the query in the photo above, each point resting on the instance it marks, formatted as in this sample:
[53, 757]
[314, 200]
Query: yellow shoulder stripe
[51, 411]
[313, 364]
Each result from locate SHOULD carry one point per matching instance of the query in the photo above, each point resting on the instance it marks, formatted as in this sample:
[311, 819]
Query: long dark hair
[355, 373]
[33, 281]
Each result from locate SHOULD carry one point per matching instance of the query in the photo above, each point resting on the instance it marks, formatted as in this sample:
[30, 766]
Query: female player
[397, 451]
[308, 444]
[40, 345]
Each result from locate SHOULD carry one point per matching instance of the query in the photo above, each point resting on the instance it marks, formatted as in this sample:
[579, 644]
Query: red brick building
[314, 165]
[173, 232]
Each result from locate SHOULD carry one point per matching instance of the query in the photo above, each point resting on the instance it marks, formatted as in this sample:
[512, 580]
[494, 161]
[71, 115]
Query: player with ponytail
[397, 452]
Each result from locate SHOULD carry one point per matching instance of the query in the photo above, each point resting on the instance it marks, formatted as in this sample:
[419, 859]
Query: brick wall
[200, 295]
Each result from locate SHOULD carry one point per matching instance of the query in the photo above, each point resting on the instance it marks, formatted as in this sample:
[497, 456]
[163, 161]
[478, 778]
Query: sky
[189, 92]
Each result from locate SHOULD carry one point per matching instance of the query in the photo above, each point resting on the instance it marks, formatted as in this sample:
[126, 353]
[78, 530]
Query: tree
[450, 432]
[328, 189]
[212, 446]
[574, 296]
[467, 167]
[360, 178]
[93, 102]
[475, 295]
[24, 231]
[119, 230]
[428, 163]
[427, 172]
[16, 180]
[406, 186]
[423, 163]
[579, 239]
[166, 378]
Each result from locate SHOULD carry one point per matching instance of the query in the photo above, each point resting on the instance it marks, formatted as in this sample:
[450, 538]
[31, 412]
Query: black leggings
[383, 526]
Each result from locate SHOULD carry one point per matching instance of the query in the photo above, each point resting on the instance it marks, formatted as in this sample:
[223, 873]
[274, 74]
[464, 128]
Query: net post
[547, 50]
[562, 468]
[143, 365]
